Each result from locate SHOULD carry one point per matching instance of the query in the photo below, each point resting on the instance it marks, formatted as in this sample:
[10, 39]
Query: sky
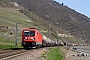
[81, 6]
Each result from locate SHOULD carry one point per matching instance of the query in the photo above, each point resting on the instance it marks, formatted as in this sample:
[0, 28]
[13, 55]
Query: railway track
[7, 54]
[12, 54]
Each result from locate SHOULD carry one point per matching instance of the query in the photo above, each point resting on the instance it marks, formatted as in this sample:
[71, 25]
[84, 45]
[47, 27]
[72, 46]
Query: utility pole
[50, 29]
[16, 35]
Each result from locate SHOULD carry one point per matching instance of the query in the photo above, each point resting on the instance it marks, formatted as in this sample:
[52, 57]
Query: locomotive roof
[29, 29]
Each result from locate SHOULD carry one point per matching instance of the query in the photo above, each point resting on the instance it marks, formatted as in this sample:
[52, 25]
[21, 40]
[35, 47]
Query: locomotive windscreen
[29, 33]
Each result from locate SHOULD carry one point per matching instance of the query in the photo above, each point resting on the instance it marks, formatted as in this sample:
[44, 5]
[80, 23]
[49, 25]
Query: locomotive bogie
[28, 44]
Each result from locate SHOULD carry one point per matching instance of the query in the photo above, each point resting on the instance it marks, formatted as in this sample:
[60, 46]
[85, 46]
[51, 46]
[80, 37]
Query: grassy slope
[9, 17]
[54, 54]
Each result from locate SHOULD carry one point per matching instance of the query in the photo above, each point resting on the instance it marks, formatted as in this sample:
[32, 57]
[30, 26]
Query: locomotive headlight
[25, 38]
[32, 38]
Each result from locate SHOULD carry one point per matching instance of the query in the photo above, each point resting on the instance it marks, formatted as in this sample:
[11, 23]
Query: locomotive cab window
[32, 33]
[26, 33]
[29, 33]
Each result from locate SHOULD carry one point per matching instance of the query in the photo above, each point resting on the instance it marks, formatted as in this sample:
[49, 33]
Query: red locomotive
[31, 38]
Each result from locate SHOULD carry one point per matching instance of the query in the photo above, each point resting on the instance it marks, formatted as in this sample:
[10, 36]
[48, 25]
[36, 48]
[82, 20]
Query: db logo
[28, 37]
